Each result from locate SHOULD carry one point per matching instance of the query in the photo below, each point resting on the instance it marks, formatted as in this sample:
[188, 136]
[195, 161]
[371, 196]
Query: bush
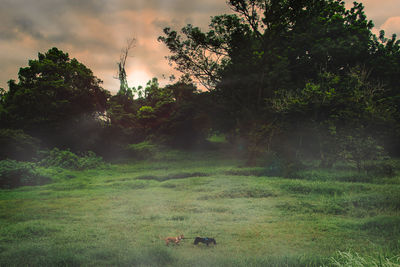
[15, 144]
[90, 161]
[143, 150]
[69, 160]
[14, 174]
[379, 169]
[274, 166]
[277, 166]
[360, 149]
[60, 158]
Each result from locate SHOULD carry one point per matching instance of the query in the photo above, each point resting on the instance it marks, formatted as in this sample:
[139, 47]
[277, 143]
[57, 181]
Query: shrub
[90, 161]
[274, 166]
[143, 150]
[277, 166]
[60, 158]
[360, 149]
[15, 144]
[379, 169]
[14, 174]
[69, 160]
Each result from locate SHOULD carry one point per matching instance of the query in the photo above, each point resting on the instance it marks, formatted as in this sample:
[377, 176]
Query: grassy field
[116, 216]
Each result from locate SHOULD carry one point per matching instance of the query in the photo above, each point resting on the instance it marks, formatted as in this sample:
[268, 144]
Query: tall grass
[353, 259]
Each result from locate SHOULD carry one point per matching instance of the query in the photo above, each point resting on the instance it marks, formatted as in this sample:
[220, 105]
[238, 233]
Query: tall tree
[55, 95]
[270, 45]
[284, 46]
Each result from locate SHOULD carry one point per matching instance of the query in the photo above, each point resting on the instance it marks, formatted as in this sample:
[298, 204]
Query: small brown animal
[175, 239]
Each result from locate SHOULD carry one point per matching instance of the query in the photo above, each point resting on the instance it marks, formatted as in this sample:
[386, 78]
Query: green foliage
[69, 160]
[89, 160]
[384, 168]
[293, 68]
[60, 158]
[56, 99]
[191, 54]
[124, 127]
[217, 139]
[173, 115]
[14, 174]
[58, 86]
[2, 94]
[360, 150]
[169, 115]
[146, 113]
[143, 150]
[15, 144]
[339, 117]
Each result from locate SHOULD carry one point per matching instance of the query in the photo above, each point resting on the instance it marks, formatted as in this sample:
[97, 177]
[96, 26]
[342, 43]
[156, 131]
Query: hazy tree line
[293, 78]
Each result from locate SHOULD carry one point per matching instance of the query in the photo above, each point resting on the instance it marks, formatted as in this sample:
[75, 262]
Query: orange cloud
[391, 26]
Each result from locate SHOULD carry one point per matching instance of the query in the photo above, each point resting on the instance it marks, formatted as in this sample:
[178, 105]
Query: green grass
[115, 216]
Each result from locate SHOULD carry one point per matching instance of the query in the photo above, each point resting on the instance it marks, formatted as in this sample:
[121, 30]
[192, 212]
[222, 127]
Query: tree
[385, 68]
[57, 99]
[15, 144]
[337, 117]
[122, 108]
[173, 114]
[204, 55]
[124, 88]
[188, 123]
[271, 50]
[268, 37]
[2, 97]
[124, 124]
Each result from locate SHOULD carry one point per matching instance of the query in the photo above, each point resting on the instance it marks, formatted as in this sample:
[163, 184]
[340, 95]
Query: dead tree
[121, 66]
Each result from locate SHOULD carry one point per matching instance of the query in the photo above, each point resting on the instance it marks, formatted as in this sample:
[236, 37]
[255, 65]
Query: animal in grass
[205, 240]
[174, 239]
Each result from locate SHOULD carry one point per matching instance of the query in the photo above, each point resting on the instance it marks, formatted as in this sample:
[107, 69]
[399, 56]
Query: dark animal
[205, 240]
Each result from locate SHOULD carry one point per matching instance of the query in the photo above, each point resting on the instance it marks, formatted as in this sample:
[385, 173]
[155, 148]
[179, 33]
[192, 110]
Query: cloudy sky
[95, 31]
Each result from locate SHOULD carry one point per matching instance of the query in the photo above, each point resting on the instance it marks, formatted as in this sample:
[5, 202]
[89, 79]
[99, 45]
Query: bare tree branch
[130, 43]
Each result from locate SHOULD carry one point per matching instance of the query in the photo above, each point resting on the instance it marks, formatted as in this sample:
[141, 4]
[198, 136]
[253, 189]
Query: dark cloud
[26, 25]
[55, 8]
[181, 7]
[94, 7]
[159, 23]
[7, 33]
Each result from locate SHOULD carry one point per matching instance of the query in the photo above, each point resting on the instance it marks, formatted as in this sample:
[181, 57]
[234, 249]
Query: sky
[95, 31]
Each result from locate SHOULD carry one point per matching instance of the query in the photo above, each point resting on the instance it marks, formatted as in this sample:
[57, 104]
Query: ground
[117, 215]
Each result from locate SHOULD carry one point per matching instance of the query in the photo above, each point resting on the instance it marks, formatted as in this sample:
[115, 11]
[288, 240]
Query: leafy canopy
[51, 91]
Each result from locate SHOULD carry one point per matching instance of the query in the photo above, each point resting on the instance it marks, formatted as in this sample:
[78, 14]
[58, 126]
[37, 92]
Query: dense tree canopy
[54, 95]
[271, 45]
[317, 55]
